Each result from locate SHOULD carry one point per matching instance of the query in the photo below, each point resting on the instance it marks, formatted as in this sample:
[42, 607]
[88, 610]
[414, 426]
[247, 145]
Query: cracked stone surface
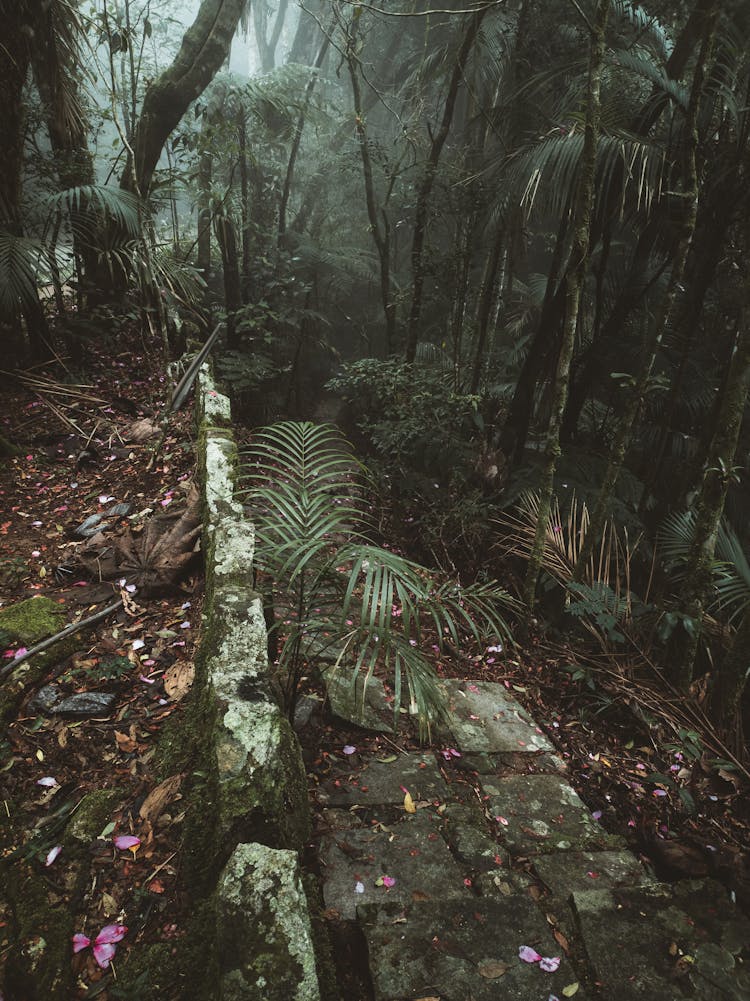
[460, 949]
[565, 872]
[486, 719]
[543, 813]
[380, 782]
[412, 851]
[365, 707]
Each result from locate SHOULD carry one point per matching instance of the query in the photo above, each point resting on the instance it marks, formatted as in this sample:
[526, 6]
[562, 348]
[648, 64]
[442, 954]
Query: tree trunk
[267, 44]
[573, 287]
[226, 237]
[428, 180]
[725, 700]
[688, 200]
[381, 234]
[204, 49]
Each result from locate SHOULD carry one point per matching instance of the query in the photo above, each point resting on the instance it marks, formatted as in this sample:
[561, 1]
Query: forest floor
[642, 770]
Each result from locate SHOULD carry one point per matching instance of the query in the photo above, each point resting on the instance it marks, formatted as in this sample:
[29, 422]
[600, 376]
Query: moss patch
[32, 620]
[93, 814]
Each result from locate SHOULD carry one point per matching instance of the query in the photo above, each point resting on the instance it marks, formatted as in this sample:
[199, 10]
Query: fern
[375, 608]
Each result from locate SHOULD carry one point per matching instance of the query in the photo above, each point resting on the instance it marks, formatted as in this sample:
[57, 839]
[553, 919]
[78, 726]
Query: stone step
[665, 943]
[461, 949]
[486, 719]
[412, 852]
[371, 782]
[543, 813]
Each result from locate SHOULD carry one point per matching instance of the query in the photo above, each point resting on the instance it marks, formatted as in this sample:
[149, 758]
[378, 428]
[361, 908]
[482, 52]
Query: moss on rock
[93, 814]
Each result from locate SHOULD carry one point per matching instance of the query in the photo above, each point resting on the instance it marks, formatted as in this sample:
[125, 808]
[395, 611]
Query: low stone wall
[259, 808]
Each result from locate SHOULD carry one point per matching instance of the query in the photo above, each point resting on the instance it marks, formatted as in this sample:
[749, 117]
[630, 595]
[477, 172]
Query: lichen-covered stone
[33, 619]
[214, 408]
[264, 936]
[29, 622]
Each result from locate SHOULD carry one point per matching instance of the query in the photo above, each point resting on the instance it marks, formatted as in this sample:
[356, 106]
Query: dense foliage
[514, 238]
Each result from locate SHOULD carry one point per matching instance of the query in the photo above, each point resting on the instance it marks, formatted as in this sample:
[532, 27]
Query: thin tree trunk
[725, 700]
[574, 285]
[688, 200]
[428, 180]
[380, 232]
[226, 237]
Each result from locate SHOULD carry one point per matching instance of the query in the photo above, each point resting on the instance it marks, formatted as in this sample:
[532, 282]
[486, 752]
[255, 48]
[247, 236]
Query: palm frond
[87, 204]
[20, 259]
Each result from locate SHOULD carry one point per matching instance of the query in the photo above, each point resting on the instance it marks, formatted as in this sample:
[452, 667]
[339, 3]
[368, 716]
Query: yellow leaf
[409, 804]
[570, 990]
[40, 755]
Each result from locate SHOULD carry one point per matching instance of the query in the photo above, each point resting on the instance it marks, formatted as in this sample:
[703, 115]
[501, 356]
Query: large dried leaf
[154, 560]
[155, 803]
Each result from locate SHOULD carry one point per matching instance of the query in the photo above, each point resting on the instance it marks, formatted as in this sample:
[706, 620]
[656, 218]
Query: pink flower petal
[126, 841]
[111, 933]
[597, 814]
[103, 953]
[389, 881]
[52, 855]
[549, 963]
[528, 955]
[20, 652]
[349, 749]
[48, 781]
[80, 942]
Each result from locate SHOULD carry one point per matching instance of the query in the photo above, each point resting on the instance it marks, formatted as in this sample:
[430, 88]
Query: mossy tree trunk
[573, 287]
[687, 201]
[205, 47]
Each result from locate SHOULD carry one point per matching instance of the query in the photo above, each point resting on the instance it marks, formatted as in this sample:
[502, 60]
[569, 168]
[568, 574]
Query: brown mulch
[79, 458]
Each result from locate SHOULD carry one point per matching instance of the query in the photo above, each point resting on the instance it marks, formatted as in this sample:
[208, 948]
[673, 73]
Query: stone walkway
[445, 907]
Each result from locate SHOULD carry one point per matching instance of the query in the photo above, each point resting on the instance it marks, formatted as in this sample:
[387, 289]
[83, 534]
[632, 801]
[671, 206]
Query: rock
[380, 782]
[460, 949]
[542, 813]
[85, 705]
[567, 872]
[485, 719]
[264, 937]
[663, 942]
[413, 852]
[44, 701]
[350, 701]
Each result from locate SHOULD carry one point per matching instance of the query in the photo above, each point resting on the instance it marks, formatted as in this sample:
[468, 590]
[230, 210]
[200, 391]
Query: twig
[159, 868]
[69, 630]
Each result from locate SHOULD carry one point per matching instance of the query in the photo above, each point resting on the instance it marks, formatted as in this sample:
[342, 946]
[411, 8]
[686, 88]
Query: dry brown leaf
[141, 430]
[491, 970]
[419, 895]
[561, 940]
[126, 742]
[154, 804]
[178, 680]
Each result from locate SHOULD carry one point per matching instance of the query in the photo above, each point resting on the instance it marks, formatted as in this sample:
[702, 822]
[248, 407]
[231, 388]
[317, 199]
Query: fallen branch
[69, 630]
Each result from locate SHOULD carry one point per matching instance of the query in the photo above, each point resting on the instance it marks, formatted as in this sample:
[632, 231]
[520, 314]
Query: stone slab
[568, 872]
[351, 701]
[412, 852]
[469, 837]
[543, 813]
[457, 950]
[264, 936]
[378, 783]
[486, 719]
[664, 943]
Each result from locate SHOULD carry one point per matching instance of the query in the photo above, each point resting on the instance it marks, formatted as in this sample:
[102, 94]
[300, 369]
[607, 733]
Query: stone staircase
[445, 908]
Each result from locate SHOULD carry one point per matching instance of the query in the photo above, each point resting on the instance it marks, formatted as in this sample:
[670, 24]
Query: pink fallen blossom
[528, 955]
[549, 963]
[48, 781]
[126, 841]
[52, 855]
[349, 749]
[388, 881]
[104, 943]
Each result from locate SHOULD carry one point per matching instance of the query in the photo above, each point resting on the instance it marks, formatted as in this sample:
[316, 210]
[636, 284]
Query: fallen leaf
[178, 680]
[154, 804]
[156, 886]
[561, 940]
[419, 895]
[409, 804]
[571, 989]
[126, 744]
[492, 970]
